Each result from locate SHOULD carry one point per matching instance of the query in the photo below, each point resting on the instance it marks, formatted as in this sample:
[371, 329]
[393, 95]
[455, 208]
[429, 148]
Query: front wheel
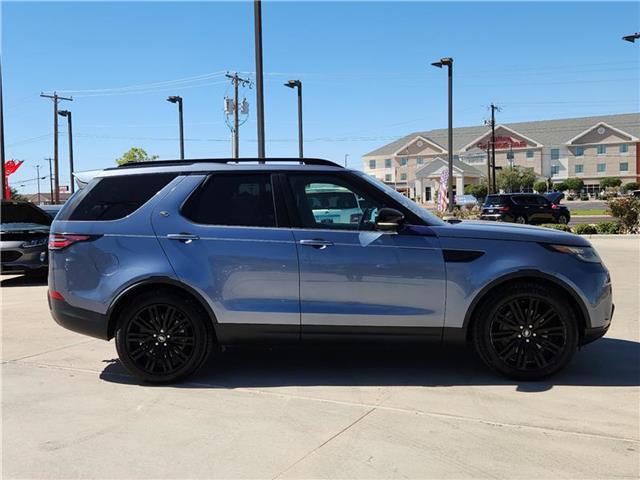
[526, 331]
[162, 337]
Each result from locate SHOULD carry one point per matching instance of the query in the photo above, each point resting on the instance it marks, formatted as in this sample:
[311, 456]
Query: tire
[144, 340]
[520, 219]
[505, 342]
[562, 219]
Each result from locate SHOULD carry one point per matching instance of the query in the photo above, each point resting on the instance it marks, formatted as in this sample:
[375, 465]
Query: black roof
[156, 163]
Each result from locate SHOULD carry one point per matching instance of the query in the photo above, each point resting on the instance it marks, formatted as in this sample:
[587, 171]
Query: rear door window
[112, 198]
[234, 200]
[496, 200]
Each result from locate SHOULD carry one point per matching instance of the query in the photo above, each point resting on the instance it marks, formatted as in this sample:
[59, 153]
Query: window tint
[112, 198]
[330, 202]
[542, 201]
[524, 200]
[235, 200]
[22, 212]
[497, 200]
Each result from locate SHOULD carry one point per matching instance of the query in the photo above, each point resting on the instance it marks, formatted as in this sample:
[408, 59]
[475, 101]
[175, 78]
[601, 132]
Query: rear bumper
[79, 320]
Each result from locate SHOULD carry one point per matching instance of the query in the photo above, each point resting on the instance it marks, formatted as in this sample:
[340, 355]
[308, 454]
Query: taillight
[56, 295]
[58, 241]
[504, 209]
[554, 206]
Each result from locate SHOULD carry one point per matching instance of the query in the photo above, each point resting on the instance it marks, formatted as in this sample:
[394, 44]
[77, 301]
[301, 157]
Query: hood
[509, 231]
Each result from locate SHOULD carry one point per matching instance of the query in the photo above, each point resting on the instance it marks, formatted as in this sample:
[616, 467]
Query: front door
[226, 242]
[354, 279]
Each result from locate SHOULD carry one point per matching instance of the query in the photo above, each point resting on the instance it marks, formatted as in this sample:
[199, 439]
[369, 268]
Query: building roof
[431, 168]
[544, 132]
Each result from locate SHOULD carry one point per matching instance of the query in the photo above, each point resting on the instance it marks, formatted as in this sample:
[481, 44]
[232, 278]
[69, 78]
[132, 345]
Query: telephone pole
[237, 81]
[37, 167]
[3, 178]
[493, 144]
[50, 178]
[56, 98]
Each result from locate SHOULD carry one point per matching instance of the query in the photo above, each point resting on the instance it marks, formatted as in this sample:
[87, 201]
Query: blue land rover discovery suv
[175, 259]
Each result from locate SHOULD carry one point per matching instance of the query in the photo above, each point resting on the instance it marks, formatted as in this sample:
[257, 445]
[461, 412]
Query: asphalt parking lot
[69, 410]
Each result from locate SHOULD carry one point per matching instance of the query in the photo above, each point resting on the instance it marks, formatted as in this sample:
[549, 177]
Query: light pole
[257, 25]
[346, 158]
[67, 113]
[37, 167]
[2, 177]
[448, 62]
[632, 38]
[177, 99]
[298, 84]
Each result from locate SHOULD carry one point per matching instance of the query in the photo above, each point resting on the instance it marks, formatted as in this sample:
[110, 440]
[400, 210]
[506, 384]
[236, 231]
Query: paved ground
[70, 410]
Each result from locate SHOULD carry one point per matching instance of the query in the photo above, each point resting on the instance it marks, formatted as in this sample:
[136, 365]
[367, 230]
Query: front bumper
[593, 334]
[78, 319]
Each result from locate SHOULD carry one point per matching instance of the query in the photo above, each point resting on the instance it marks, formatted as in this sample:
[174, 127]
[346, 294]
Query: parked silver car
[174, 259]
[24, 231]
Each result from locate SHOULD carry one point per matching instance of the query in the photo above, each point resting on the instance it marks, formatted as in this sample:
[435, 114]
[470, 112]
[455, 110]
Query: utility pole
[488, 170]
[236, 80]
[56, 98]
[4, 179]
[37, 167]
[257, 19]
[50, 178]
[493, 144]
[67, 113]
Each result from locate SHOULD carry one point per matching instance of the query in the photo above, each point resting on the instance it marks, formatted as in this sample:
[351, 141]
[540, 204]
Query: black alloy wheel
[162, 338]
[528, 332]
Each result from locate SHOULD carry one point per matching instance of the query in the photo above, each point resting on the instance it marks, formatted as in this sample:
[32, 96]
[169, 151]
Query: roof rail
[155, 163]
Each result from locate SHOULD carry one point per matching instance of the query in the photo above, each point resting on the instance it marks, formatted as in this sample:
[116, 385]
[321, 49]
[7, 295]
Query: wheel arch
[146, 285]
[577, 304]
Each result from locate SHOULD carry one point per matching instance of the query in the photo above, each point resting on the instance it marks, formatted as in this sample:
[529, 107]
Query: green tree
[478, 190]
[135, 154]
[560, 187]
[515, 179]
[15, 195]
[540, 186]
[630, 186]
[574, 184]
[610, 182]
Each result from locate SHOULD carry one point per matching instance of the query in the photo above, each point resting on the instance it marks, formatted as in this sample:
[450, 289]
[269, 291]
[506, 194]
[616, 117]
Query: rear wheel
[520, 219]
[526, 331]
[162, 337]
[563, 219]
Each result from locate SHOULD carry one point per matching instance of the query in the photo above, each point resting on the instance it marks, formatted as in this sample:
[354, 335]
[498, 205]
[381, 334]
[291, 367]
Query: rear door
[545, 210]
[228, 241]
[354, 279]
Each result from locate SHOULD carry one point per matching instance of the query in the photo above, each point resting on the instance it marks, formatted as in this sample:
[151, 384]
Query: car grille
[9, 255]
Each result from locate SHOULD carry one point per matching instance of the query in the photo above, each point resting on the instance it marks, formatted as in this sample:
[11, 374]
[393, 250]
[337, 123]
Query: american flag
[443, 198]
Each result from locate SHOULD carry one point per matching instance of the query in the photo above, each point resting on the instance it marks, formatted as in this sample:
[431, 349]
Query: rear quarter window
[113, 198]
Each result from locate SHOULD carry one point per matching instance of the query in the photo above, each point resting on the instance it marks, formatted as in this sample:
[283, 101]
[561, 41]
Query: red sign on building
[504, 142]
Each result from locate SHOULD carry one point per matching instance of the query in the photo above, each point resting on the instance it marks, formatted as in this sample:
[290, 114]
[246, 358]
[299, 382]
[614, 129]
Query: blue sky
[364, 66]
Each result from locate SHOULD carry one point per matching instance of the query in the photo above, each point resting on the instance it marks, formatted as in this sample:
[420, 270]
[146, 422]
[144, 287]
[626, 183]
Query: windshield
[14, 214]
[423, 213]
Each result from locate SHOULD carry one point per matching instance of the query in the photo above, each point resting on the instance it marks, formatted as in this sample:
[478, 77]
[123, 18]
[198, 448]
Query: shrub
[478, 190]
[540, 187]
[610, 182]
[571, 198]
[560, 187]
[557, 226]
[585, 229]
[608, 228]
[574, 184]
[627, 211]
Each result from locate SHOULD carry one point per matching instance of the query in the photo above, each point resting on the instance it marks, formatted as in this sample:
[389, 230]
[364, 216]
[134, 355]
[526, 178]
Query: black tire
[505, 341]
[520, 219]
[562, 219]
[163, 337]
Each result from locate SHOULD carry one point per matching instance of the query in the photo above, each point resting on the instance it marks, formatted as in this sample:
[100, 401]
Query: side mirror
[389, 220]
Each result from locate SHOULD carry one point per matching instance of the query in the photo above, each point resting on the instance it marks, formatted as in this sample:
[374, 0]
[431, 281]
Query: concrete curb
[626, 236]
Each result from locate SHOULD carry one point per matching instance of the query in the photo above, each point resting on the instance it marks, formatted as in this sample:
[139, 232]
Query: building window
[624, 148]
[456, 157]
[555, 169]
[602, 167]
[372, 164]
[419, 160]
[387, 163]
[579, 151]
[579, 168]
[529, 154]
[624, 167]
[555, 154]
[403, 161]
[403, 177]
[602, 149]
[387, 177]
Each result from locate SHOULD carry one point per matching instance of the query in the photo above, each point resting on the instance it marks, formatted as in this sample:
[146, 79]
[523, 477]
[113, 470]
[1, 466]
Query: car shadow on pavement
[29, 280]
[607, 362]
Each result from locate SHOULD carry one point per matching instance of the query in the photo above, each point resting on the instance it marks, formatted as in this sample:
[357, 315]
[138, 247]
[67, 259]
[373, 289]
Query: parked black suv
[523, 208]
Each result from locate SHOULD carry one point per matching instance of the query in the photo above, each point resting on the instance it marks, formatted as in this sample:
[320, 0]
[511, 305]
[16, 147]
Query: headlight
[586, 254]
[35, 243]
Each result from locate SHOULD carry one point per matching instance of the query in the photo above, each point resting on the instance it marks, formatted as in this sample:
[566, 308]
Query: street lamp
[178, 100]
[67, 113]
[298, 84]
[448, 62]
[632, 38]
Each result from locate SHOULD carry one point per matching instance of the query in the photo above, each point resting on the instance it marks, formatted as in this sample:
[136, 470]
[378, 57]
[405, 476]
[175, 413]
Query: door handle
[316, 243]
[183, 237]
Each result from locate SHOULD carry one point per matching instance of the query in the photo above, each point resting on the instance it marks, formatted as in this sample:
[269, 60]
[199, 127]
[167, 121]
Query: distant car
[24, 233]
[635, 193]
[523, 208]
[554, 197]
[51, 210]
